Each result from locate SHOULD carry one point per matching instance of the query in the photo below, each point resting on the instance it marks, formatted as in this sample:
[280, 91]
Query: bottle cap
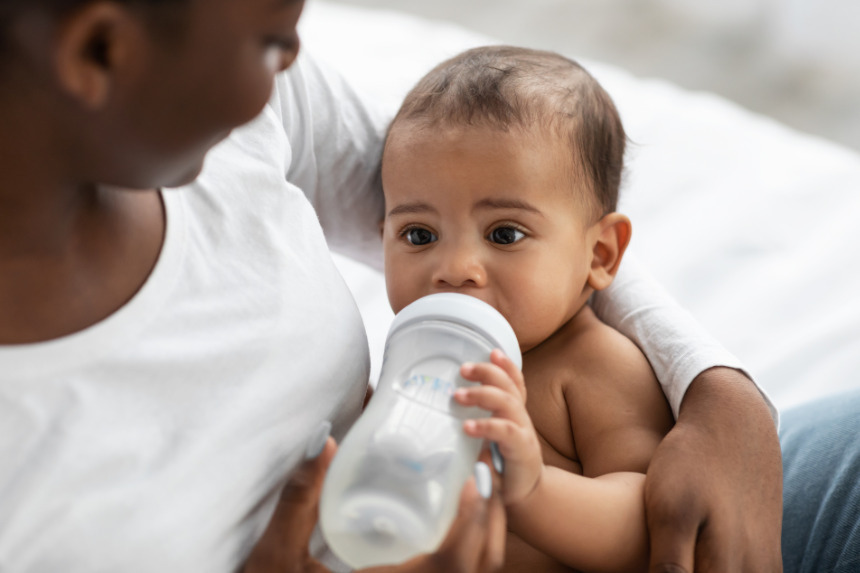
[467, 311]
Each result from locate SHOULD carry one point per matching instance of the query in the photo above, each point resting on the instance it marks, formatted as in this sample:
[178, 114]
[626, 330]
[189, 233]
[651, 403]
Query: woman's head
[133, 93]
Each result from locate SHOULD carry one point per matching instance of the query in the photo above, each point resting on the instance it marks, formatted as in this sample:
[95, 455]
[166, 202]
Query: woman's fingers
[476, 540]
[493, 557]
[673, 543]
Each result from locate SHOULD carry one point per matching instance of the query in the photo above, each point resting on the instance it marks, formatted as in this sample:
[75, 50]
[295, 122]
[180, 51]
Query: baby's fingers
[509, 436]
[497, 375]
[501, 360]
[499, 403]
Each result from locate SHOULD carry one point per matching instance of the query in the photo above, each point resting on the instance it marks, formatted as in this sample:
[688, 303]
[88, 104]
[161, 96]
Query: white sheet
[751, 226]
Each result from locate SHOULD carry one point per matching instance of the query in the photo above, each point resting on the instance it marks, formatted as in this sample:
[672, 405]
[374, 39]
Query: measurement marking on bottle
[419, 382]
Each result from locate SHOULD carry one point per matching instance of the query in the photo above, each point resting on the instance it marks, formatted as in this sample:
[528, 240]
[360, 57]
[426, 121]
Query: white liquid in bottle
[392, 490]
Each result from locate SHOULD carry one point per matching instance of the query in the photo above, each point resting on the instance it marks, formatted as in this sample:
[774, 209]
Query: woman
[168, 355]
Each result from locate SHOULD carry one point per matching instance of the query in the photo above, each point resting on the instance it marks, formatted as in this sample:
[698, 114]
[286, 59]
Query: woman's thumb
[284, 544]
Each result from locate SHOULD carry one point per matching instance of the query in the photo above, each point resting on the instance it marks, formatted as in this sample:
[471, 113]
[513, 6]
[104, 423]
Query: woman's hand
[713, 491]
[503, 393]
[475, 543]
[476, 540]
[283, 548]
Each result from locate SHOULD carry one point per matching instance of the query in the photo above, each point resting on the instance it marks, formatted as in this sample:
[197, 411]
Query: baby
[501, 174]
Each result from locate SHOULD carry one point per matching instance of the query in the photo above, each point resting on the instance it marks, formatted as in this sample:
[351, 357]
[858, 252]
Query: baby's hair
[507, 87]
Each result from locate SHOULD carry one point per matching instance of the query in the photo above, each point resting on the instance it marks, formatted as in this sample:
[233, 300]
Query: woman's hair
[10, 9]
[507, 87]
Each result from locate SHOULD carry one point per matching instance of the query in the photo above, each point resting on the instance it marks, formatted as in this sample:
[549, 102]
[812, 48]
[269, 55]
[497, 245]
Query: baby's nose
[460, 267]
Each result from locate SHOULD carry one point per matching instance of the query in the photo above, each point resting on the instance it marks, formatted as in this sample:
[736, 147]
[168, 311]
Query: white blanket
[750, 225]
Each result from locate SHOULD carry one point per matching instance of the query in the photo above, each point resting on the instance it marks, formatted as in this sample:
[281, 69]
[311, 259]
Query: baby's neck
[575, 327]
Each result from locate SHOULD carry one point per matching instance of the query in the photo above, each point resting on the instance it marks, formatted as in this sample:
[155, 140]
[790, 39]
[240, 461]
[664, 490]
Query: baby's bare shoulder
[590, 350]
[618, 411]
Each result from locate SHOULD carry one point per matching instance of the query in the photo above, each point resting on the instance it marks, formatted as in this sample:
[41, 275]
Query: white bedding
[751, 226]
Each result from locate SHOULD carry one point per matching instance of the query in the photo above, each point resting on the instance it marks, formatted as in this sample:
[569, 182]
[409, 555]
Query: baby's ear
[610, 237]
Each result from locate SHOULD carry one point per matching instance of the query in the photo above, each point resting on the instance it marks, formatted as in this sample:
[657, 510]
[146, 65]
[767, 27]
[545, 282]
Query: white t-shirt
[155, 440]
[148, 441]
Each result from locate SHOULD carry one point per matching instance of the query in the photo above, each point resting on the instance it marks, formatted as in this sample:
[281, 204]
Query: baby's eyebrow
[492, 203]
[411, 208]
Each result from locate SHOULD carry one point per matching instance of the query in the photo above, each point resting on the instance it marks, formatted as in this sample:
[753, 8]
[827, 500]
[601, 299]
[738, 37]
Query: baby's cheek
[402, 289]
[537, 319]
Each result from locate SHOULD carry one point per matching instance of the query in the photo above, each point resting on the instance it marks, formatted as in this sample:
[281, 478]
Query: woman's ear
[92, 45]
[610, 237]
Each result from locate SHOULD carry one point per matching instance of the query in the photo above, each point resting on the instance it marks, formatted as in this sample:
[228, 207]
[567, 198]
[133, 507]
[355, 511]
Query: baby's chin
[528, 345]
[527, 340]
[530, 337]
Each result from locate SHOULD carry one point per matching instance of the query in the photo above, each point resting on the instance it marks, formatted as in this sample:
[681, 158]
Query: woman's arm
[713, 489]
[677, 346]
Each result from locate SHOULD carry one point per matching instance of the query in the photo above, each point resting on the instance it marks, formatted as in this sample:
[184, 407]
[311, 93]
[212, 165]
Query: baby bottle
[392, 490]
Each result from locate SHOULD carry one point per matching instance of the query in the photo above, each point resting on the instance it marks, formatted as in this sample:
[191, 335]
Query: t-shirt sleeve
[335, 139]
[677, 346]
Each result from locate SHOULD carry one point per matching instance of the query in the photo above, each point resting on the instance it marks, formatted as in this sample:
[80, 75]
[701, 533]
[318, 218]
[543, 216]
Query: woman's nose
[460, 267]
[288, 57]
[282, 57]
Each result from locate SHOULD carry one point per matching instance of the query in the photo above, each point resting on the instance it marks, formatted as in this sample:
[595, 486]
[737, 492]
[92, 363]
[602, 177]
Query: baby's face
[490, 214]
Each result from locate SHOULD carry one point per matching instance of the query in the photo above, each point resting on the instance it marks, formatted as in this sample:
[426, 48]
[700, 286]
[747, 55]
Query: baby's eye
[419, 236]
[505, 235]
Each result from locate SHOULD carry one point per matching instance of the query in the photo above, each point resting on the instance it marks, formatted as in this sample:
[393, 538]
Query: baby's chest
[548, 408]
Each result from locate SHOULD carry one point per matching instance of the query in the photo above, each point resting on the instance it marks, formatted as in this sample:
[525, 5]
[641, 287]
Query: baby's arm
[618, 413]
[503, 393]
[590, 524]
[618, 417]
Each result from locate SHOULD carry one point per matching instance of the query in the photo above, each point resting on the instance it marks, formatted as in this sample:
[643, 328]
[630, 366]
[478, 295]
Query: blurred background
[797, 61]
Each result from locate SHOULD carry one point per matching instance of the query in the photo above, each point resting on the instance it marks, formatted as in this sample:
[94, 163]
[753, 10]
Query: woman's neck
[72, 252]
[72, 255]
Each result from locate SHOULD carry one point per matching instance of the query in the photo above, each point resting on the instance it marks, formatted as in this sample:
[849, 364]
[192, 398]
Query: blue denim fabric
[821, 491]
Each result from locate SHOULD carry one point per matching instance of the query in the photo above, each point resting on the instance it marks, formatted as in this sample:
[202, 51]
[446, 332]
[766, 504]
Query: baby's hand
[503, 393]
